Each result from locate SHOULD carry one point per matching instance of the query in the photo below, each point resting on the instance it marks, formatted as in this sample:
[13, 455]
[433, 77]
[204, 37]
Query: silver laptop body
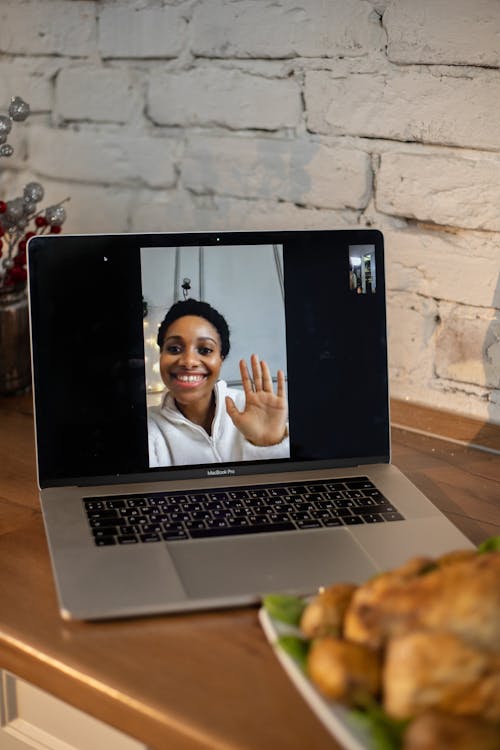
[312, 304]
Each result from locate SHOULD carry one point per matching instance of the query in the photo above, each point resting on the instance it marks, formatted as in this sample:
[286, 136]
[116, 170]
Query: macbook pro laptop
[150, 509]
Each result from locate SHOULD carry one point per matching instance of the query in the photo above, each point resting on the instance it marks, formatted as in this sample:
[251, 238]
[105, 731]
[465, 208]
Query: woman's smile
[189, 380]
[190, 363]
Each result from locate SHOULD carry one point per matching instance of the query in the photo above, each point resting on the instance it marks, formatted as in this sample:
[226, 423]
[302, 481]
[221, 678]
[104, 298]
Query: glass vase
[15, 361]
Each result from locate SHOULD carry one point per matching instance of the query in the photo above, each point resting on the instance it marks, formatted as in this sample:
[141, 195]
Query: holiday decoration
[21, 217]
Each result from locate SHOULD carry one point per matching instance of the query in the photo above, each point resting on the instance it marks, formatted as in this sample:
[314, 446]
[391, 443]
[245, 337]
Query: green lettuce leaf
[284, 608]
[489, 545]
[386, 732]
[297, 648]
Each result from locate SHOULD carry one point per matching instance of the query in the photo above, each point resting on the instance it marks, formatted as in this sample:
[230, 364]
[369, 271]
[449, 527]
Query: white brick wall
[459, 267]
[54, 27]
[90, 93]
[468, 346]
[228, 98]
[464, 33]
[141, 29]
[182, 211]
[237, 114]
[424, 105]
[299, 171]
[460, 190]
[290, 28]
[103, 157]
[31, 75]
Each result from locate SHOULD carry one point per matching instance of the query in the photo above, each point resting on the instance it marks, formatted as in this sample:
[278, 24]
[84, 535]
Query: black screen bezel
[306, 284]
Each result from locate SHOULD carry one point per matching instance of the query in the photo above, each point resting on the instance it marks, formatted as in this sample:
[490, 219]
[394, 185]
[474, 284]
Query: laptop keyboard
[157, 517]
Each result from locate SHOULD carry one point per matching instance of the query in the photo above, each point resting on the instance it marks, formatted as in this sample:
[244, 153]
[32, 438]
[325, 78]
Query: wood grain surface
[193, 681]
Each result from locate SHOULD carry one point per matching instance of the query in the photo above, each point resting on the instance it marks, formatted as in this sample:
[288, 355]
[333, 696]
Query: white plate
[334, 716]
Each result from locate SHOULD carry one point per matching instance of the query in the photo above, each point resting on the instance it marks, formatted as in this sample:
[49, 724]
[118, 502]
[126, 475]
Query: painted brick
[98, 156]
[494, 407]
[94, 208]
[31, 78]
[91, 208]
[451, 32]
[298, 171]
[408, 106]
[181, 211]
[230, 98]
[48, 27]
[451, 396]
[110, 94]
[441, 88]
[310, 28]
[443, 188]
[459, 267]
[17, 139]
[11, 181]
[468, 346]
[137, 30]
[464, 398]
[410, 326]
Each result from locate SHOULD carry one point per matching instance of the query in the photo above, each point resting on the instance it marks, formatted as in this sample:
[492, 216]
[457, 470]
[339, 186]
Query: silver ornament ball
[8, 263]
[33, 191]
[5, 124]
[55, 215]
[19, 109]
[6, 150]
[7, 221]
[15, 208]
[29, 207]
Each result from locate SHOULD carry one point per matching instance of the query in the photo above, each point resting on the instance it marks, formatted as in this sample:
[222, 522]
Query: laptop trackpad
[298, 562]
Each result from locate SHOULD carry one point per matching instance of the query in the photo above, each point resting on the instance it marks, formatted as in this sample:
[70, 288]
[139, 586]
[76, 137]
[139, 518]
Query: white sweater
[174, 440]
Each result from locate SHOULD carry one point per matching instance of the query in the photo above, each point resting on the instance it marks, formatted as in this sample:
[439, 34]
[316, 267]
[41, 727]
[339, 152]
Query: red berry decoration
[20, 259]
[18, 274]
[29, 235]
[55, 229]
[3, 207]
[41, 221]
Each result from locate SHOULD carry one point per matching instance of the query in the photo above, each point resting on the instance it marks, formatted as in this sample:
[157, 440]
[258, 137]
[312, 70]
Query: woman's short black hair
[202, 310]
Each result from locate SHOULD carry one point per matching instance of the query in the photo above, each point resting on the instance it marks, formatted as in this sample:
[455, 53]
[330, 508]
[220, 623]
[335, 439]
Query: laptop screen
[206, 354]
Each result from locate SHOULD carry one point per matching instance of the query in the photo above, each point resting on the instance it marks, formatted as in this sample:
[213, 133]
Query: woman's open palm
[263, 420]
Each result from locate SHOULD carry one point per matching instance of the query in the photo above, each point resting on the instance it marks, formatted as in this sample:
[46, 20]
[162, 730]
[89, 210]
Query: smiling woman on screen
[200, 420]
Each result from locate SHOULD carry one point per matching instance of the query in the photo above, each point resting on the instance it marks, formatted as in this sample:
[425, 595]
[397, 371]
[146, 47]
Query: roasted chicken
[344, 671]
[440, 731]
[430, 669]
[424, 639]
[462, 597]
[325, 613]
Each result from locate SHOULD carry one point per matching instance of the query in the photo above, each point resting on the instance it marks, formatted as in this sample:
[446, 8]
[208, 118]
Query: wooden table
[201, 680]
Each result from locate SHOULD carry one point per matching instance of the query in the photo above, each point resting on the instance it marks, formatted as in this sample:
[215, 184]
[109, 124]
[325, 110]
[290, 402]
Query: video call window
[362, 269]
[205, 300]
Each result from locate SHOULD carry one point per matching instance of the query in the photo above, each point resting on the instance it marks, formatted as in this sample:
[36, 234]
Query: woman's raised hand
[263, 421]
